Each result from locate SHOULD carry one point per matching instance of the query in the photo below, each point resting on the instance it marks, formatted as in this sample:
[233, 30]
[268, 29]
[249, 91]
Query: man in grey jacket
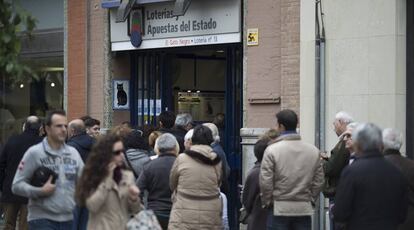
[291, 177]
[50, 206]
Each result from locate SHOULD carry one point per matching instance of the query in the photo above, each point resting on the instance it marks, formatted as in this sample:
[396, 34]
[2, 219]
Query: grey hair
[189, 135]
[344, 117]
[368, 137]
[166, 142]
[392, 139]
[183, 119]
[352, 125]
[214, 131]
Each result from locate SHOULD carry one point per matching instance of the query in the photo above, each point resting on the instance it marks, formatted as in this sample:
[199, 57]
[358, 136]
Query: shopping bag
[144, 220]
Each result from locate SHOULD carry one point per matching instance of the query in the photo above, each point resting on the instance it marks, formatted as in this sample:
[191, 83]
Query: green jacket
[333, 167]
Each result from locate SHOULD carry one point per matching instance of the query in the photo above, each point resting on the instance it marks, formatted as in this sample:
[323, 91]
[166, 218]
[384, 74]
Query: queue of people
[74, 177]
[368, 182]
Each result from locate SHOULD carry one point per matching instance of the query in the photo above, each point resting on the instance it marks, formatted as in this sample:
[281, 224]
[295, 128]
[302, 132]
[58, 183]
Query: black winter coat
[224, 188]
[333, 167]
[83, 143]
[12, 154]
[155, 178]
[407, 168]
[372, 194]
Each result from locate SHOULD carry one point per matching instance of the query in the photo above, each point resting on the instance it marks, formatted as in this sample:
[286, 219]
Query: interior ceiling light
[52, 69]
[21, 86]
[220, 51]
[52, 84]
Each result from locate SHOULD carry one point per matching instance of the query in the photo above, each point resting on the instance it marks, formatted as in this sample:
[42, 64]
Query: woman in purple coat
[257, 216]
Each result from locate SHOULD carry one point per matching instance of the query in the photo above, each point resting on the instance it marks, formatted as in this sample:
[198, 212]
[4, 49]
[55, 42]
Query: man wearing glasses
[51, 205]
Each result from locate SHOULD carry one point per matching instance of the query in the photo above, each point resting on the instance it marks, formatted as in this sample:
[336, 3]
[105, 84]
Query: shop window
[35, 95]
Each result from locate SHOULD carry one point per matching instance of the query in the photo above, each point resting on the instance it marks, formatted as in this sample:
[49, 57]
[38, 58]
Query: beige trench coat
[291, 176]
[195, 185]
[109, 206]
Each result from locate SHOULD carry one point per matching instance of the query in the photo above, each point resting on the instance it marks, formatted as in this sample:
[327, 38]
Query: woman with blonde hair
[151, 141]
[154, 178]
[106, 187]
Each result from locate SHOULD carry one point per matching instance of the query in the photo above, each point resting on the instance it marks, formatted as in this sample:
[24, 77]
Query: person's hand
[133, 192]
[111, 167]
[324, 155]
[49, 188]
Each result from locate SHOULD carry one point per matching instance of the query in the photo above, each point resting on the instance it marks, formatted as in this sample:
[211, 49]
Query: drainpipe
[320, 102]
[322, 119]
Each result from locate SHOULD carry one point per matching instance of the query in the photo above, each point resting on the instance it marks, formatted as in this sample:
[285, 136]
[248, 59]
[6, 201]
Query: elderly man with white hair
[393, 141]
[372, 193]
[339, 157]
[183, 123]
[155, 178]
[349, 144]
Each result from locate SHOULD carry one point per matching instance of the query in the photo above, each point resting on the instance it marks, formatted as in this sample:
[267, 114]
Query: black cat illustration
[121, 95]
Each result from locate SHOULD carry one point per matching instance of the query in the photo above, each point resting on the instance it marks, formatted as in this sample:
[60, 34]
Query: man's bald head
[75, 127]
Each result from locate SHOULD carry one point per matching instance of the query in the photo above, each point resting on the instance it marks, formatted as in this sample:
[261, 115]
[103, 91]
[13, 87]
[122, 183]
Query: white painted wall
[365, 63]
[307, 70]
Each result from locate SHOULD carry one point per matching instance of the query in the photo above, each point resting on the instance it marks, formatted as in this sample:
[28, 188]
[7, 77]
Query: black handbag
[41, 175]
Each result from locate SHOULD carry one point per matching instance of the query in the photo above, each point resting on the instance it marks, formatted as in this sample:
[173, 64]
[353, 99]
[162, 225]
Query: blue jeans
[288, 222]
[331, 220]
[80, 218]
[45, 224]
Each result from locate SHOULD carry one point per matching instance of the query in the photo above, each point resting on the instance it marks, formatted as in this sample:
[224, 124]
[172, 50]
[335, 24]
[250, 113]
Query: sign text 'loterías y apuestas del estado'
[205, 22]
[175, 24]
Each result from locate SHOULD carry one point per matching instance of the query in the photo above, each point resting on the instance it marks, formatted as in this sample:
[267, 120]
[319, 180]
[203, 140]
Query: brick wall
[290, 51]
[96, 61]
[121, 70]
[76, 56]
[272, 67]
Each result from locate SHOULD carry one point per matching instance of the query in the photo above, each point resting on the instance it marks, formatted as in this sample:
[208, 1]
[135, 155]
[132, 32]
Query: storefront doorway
[202, 81]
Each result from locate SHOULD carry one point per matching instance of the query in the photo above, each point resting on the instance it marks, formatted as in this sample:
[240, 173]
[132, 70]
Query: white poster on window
[148, 107]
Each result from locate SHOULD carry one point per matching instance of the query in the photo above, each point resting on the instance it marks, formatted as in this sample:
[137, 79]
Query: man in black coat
[155, 178]
[83, 142]
[79, 139]
[393, 141]
[372, 193]
[16, 206]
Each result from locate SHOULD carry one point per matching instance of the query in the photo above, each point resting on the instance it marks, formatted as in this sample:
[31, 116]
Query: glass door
[158, 76]
[146, 90]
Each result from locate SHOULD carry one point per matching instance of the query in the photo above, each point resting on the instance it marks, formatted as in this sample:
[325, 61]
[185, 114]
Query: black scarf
[203, 159]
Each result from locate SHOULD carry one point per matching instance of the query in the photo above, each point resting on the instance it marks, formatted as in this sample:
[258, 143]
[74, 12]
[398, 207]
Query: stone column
[249, 138]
